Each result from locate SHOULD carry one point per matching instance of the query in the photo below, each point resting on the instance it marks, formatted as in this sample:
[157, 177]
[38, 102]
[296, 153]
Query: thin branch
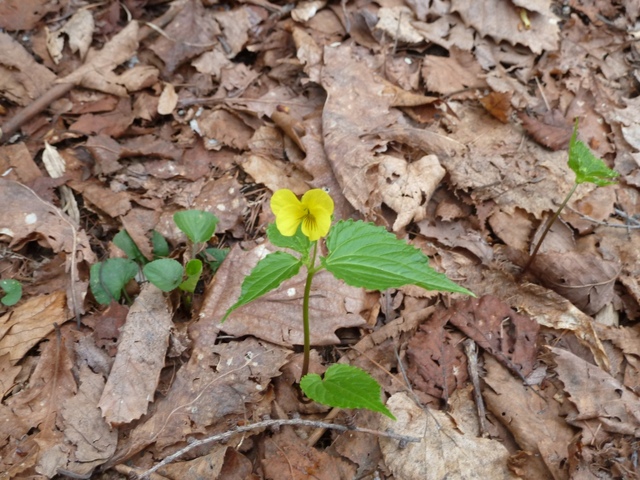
[274, 423]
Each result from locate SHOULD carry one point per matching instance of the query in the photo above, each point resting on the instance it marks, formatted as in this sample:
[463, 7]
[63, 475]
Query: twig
[274, 423]
[471, 350]
[629, 219]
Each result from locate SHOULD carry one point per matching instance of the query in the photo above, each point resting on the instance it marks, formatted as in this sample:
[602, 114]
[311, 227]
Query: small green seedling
[108, 278]
[12, 292]
[360, 254]
[588, 169]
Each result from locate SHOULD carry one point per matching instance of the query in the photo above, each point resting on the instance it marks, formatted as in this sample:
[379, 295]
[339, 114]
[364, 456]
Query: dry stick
[275, 423]
[12, 125]
[471, 350]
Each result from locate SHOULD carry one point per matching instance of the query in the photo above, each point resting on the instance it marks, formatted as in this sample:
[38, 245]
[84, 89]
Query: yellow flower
[313, 212]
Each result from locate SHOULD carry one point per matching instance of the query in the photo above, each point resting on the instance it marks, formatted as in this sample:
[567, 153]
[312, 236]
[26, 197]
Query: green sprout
[12, 292]
[588, 169]
[360, 254]
[108, 278]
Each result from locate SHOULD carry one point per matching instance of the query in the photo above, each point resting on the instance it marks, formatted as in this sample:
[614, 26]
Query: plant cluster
[108, 278]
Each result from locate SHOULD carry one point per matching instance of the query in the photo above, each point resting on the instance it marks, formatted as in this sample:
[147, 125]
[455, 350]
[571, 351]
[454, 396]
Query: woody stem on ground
[311, 270]
[548, 227]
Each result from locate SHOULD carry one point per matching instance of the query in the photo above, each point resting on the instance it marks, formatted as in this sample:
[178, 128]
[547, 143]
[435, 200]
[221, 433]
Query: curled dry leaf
[443, 449]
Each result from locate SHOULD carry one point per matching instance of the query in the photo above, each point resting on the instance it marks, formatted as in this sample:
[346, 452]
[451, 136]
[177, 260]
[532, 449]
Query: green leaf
[267, 275]
[299, 242]
[587, 167]
[160, 245]
[196, 224]
[214, 257]
[13, 292]
[108, 278]
[193, 270]
[345, 386]
[124, 242]
[364, 255]
[165, 273]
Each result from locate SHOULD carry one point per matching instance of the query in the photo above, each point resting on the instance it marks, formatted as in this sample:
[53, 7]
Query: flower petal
[316, 227]
[281, 199]
[318, 198]
[289, 218]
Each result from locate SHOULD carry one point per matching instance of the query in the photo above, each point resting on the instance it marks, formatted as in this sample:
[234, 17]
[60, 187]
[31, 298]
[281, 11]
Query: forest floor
[447, 122]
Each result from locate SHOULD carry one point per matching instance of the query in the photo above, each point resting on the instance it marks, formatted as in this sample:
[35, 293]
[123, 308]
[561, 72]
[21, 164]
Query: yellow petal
[281, 199]
[318, 198]
[315, 229]
[288, 219]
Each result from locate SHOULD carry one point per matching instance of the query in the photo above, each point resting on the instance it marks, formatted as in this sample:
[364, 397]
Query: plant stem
[305, 311]
[548, 227]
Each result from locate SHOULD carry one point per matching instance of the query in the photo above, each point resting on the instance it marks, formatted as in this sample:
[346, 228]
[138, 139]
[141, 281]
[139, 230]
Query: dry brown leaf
[168, 100]
[192, 31]
[79, 30]
[22, 79]
[8, 372]
[205, 466]
[97, 71]
[29, 322]
[443, 449]
[143, 344]
[509, 336]
[359, 121]
[536, 424]
[288, 456]
[84, 426]
[277, 316]
[553, 131]
[220, 381]
[499, 20]
[597, 396]
[408, 187]
[583, 278]
[455, 73]
[50, 386]
[275, 174]
[223, 197]
[25, 14]
[17, 164]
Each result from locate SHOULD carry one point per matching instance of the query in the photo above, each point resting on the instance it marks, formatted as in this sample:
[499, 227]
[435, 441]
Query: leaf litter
[447, 122]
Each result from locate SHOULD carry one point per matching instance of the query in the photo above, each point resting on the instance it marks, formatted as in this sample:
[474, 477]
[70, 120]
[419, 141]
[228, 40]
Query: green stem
[548, 227]
[305, 311]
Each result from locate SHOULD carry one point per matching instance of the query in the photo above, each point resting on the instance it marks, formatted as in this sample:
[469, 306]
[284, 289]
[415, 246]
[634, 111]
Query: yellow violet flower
[313, 212]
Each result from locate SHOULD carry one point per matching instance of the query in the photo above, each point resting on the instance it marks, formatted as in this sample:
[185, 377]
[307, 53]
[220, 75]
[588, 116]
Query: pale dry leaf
[143, 344]
[396, 23]
[168, 100]
[306, 10]
[53, 161]
[220, 381]
[79, 29]
[275, 174]
[536, 422]
[499, 20]
[309, 53]
[356, 115]
[29, 322]
[97, 72]
[55, 44]
[84, 426]
[24, 15]
[407, 187]
[8, 372]
[277, 316]
[444, 451]
[597, 395]
[22, 79]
